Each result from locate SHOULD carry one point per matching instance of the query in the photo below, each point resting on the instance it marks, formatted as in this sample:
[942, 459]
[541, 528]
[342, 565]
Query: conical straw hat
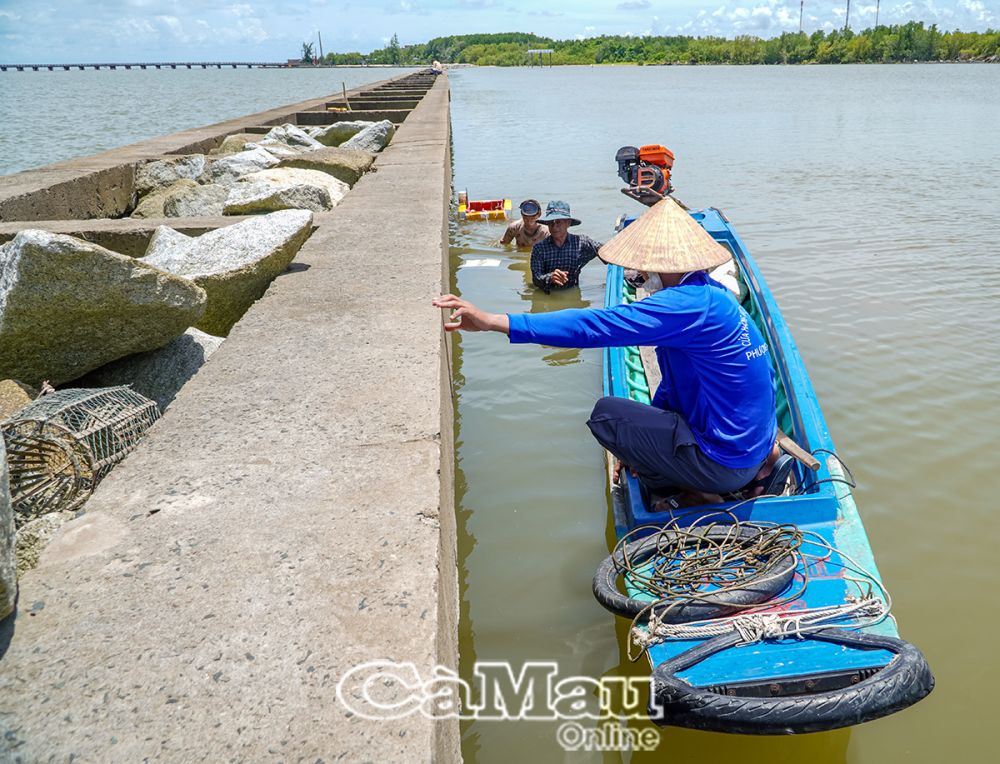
[666, 239]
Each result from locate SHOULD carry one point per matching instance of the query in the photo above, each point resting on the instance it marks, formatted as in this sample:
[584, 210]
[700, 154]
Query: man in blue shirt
[556, 261]
[711, 427]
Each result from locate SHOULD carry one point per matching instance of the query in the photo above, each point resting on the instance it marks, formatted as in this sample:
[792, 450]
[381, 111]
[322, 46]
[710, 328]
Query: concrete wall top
[289, 517]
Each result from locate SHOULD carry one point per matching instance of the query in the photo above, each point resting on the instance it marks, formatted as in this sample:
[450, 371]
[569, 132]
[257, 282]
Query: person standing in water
[526, 232]
[556, 261]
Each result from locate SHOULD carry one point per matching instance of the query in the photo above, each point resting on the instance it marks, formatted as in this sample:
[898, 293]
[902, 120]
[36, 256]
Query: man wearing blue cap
[526, 232]
[556, 262]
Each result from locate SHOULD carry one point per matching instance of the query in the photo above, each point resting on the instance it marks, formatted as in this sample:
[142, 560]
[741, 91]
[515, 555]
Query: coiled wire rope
[693, 564]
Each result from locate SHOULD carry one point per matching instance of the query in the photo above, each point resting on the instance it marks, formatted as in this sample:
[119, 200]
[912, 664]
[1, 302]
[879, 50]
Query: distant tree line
[906, 42]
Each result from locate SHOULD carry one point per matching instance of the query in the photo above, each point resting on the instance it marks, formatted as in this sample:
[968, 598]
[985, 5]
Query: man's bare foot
[617, 471]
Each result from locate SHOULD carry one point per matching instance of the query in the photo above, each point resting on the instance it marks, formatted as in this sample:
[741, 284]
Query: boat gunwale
[828, 500]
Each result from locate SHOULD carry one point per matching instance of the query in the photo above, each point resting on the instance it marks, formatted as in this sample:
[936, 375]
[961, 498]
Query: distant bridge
[160, 65]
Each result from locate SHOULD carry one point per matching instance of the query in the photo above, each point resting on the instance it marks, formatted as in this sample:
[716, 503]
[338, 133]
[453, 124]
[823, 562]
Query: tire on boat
[902, 682]
[725, 603]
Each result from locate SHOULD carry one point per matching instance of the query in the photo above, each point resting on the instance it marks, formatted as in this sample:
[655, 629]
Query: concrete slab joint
[291, 517]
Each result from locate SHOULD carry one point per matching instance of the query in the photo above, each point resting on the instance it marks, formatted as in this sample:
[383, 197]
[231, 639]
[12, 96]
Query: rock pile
[158, 374]
[13, 397]
[338, 132]
[33, 536]
[233, 144]
[284, 189]
[287, 140]
[68, 306]
[347, 165]
[153, 203]
[228, 170]
[234, 265]
[199, 201]
[72, 310]
[375, 137]
[164, 172]
[232, 179]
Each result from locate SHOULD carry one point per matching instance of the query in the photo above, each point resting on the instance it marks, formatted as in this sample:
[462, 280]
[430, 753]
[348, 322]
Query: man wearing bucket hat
[526, 232]
[711, 427]
[556, 262]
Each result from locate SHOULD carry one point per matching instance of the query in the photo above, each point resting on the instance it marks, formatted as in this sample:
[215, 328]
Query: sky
[79, 31]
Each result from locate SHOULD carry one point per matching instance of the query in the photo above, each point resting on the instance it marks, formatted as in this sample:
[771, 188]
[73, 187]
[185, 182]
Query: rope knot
[760, 626]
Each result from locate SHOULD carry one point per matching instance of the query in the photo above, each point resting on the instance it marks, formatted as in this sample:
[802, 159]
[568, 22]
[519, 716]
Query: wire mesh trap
[63, 444]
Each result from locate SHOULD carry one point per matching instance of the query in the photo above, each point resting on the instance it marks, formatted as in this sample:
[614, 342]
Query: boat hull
[778, 683]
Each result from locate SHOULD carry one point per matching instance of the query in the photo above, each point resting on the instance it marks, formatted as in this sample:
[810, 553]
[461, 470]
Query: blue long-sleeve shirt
[714, 361]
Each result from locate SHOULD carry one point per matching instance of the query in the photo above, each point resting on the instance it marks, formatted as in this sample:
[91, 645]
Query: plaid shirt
[575, 253]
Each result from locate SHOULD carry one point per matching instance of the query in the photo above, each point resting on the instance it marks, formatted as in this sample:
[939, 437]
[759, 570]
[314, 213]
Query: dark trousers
[659, 446]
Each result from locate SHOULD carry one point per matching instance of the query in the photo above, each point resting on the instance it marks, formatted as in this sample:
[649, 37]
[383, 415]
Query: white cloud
[241, 9]
[406, 7]
[978, 10]
[259, 30]
[134, 28]
[250, 30]
[172, 24]
[758, 18]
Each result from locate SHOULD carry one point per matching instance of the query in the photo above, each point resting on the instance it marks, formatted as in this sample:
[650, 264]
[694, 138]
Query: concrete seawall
[289, 518]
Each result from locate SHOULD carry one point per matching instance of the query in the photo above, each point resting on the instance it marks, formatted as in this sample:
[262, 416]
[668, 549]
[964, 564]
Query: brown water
[868, 197]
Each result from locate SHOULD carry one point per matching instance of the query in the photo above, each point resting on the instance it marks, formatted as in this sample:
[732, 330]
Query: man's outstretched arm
[642, 323]
[470, 318]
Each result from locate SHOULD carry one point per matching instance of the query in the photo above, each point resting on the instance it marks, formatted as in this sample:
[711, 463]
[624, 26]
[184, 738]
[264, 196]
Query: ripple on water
[94, 111]
[870, 212]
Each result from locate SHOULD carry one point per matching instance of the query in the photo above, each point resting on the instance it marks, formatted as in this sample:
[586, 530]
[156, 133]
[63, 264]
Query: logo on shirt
[745, 340]
[744, 331]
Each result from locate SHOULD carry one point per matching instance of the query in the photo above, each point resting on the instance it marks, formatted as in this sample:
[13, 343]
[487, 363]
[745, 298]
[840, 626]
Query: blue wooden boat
[844, 670]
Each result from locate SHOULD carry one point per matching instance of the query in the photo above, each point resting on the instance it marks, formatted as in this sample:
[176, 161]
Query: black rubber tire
[905, 679]
[727, 603]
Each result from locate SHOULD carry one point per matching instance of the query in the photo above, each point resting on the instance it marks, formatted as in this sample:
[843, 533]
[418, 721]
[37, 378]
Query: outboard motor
[646, 169]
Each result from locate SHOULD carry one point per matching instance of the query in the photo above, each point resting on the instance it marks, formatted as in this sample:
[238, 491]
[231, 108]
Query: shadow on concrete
[7, 628]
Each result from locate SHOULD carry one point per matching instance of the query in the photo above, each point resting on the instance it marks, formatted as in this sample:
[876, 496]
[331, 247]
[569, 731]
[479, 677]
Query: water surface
[50, 116]
[867, 195]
